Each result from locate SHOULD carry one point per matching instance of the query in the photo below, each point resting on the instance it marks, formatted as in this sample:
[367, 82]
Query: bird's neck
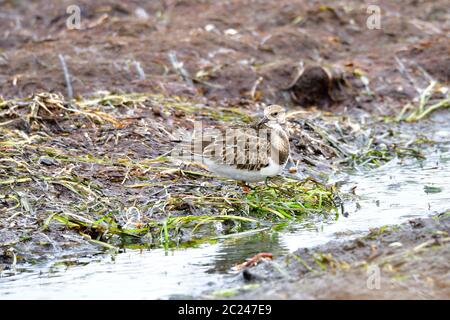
[280, 143]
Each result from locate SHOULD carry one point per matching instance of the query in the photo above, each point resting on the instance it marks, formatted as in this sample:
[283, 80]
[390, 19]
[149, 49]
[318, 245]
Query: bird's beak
[262, 121]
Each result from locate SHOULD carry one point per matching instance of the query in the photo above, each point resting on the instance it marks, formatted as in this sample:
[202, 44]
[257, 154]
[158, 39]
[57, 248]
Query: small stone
[210, 27]
[141, 13]
[47, 161]
[231, 32]
[395, 245]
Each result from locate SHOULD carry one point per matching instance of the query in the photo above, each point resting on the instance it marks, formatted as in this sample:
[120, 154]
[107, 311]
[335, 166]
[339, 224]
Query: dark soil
[412, 259]
[230, 49]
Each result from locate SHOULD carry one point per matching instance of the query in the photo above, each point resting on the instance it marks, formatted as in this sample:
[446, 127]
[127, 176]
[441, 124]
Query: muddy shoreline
[238, 50]
[87, 172]
[406, 261]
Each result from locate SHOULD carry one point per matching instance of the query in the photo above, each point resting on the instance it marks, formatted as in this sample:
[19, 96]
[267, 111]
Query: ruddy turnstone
[246, 154]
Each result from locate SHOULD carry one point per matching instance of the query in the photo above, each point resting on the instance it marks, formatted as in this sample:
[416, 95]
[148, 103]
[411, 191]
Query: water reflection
[236, 250]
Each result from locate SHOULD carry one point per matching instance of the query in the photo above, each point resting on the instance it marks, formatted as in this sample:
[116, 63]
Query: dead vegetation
[98, 165]
[102, 167]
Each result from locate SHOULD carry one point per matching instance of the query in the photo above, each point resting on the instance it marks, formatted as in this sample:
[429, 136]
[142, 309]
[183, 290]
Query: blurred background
[236, 50]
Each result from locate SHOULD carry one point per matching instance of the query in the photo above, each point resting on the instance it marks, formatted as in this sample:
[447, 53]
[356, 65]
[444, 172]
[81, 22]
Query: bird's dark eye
[275, 114]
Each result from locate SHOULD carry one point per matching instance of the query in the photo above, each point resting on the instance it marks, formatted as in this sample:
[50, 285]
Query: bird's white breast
[231, 172]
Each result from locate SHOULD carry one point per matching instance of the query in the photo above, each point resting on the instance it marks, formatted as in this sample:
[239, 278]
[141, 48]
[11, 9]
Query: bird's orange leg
[245, 186]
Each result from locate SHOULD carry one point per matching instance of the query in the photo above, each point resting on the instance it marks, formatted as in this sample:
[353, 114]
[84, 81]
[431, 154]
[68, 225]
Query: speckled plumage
[248, 154]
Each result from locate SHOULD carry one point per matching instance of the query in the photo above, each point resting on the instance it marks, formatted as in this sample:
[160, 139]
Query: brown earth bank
[410, 259]
[228, 50]
[90, 174]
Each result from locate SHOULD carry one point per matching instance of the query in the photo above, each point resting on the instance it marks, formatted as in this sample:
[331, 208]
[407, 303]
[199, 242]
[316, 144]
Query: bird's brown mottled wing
[241, 148]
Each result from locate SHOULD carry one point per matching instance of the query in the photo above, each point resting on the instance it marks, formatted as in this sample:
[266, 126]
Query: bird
[245, 153]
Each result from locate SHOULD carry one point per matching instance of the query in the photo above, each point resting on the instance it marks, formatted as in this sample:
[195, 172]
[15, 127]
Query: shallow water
[390, 194]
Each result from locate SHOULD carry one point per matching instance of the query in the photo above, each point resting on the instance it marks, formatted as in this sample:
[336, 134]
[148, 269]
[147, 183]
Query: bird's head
[274, 115]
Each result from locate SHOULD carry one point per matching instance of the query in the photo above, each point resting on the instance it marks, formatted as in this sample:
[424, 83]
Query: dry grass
[98, 166]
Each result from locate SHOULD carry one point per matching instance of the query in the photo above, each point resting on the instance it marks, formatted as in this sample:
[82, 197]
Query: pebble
[395, 245]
